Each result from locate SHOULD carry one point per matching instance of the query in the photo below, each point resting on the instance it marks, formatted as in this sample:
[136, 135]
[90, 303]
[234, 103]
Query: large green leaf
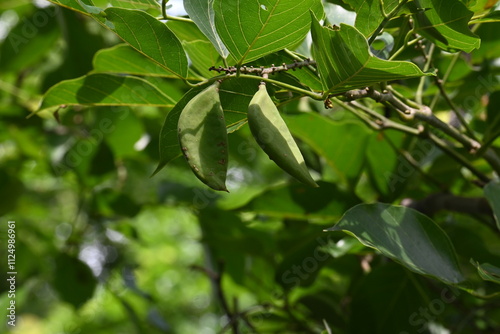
[344, 146]
[136, 4]
[344, 61]
[384, 301]
[369, 13]
[82, 6]
[251, 29]
[150, 37]
[202, 14]
[444, 22]
[201, 52]
[390, 174]
[235, 96]
[406, 236]
[105, 90]
[124, 59]
[492, 193]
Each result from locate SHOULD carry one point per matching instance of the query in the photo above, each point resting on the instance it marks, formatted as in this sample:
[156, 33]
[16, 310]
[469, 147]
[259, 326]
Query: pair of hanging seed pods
[203, 137]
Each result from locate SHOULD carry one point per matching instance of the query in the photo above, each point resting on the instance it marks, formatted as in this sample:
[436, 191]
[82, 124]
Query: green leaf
[83, 6]
[388, 175]
[446, 23]
[297, 201]
[202, 14]
[251, 29]
[124, 59]
[492, 131]
[406, 236]
[385, 299]
[136, 4]
[342, 150]
[344, 61]
[369, 13]
[105, 90]
[74, 281]
[235, 96]
[491, 17]
[492, 193]
[200, 50]
[487, 271]
[150, 37]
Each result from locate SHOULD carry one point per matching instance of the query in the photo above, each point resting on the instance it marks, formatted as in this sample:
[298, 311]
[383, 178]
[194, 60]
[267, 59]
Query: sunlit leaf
[251, 29]
[406, 236]
[136, 4]
[369, 13]
[124, 59]
[344, 61]
[202, 14]
[200, 50]
[83, 6]
[105, 90]
[445, 23]
[150, 37]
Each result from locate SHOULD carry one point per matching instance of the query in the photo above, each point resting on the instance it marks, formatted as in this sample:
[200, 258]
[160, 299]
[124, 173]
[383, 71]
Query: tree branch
[438, 202]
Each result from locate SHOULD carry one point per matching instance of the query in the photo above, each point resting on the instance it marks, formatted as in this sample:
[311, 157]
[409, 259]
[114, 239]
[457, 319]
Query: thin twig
[264, 70]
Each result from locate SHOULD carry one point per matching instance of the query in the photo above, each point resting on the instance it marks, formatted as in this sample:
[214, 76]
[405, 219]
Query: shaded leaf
[136, 4]
[344, 60]
[200, 50]
[124, 59]
[340, 143]
[299, 201]
[202, 14]
[105, 90]
[74, 281]
[150, 37]
[406, 236]
[492, 193]
[251, 29]
[385, 300]
[369, 13]
[446, 23]
[235, 96]
[492, 131]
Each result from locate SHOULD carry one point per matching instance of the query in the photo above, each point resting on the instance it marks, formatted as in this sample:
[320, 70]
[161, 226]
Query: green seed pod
[203, 138]
[272, 134]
